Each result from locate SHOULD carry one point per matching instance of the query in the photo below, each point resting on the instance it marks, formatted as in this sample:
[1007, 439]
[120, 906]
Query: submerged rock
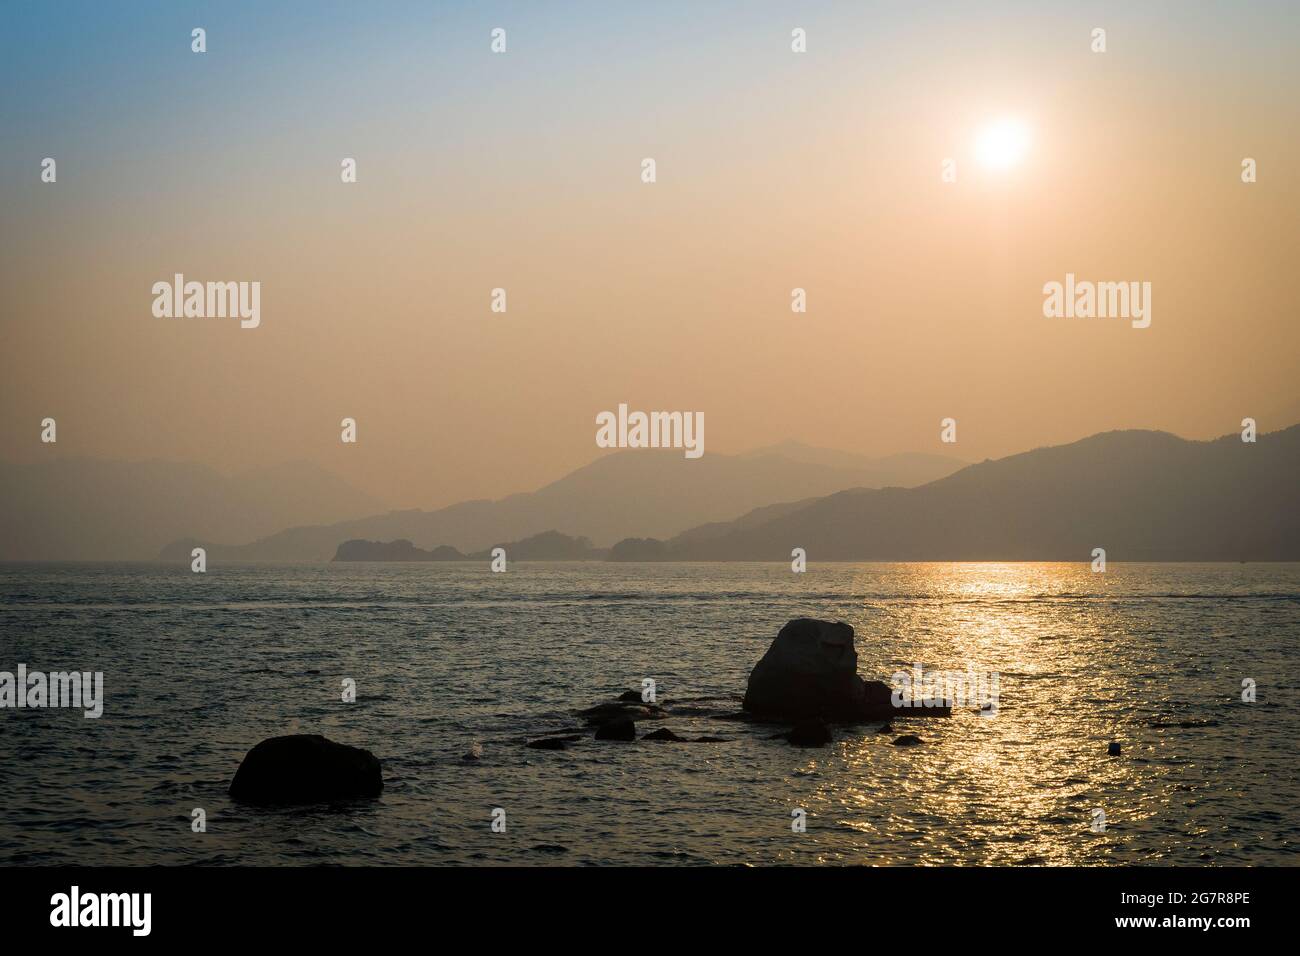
[908, 740]
[618, 710]
[706, 739]
[553, 743]
[663, 733]
[810, 733]
[621, 729]
[1113, 749]
[305, 768]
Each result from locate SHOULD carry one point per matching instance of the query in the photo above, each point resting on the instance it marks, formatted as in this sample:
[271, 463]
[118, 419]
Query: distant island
[547, 546]
[399, 550]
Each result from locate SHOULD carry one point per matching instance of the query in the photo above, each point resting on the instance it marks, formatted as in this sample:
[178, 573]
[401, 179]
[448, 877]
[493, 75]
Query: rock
[690, 710]
[878, 698]
[810, 670]
[709, 740]
[810, 733]
[621, 729]
[305, 768]
[908, 740]
[663, 733]
[880, 704]
[1113, 749]
[631, 697]
[399, 550]
[604, 713]
[552, 743]
[573, 733]
[885, 730]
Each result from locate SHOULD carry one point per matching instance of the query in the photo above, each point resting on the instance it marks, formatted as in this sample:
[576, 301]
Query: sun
[1002, 144]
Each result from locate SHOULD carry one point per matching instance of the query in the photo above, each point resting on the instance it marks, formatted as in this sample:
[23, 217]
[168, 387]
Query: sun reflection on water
[1019, 787]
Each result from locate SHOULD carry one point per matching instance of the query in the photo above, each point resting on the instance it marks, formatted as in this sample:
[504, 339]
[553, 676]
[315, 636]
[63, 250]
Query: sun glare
[1002, 144]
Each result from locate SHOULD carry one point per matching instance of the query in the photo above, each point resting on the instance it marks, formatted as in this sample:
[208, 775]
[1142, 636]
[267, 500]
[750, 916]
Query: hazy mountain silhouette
[641, 493]
[95, 509]
[904, 470]
[1141, 495]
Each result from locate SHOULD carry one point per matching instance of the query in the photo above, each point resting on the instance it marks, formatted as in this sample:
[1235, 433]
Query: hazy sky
[521, 170]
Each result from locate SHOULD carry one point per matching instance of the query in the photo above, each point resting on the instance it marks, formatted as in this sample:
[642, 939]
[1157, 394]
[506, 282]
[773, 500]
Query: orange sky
[775, 171]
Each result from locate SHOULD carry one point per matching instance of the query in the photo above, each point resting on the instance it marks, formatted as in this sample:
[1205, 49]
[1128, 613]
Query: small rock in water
[551, 743]
[305, 768]
[619, 710]
[709, 740]
[616, 730]
[887, 729]
[1113, 749]
[908, 740]
[810, 733]
[663, 733]
[631, 697]
[475, 752]
[811, 670]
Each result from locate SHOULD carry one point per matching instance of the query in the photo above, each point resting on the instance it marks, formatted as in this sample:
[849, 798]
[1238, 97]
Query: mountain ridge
[1218, 499]
[619, 495]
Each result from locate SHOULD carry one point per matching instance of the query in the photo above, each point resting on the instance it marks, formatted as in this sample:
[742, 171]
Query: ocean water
[451, 657]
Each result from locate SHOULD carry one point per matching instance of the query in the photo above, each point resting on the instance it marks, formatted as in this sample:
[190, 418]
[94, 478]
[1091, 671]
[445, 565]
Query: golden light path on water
[1022, 786]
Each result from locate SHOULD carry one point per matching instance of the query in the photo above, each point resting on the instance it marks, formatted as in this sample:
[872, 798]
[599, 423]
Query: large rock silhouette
[305, 768]
[811, 670]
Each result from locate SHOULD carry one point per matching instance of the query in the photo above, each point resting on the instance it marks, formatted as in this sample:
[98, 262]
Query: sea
[1193, 669]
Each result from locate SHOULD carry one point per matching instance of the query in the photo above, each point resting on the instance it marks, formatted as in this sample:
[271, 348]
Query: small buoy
[1113, 749]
